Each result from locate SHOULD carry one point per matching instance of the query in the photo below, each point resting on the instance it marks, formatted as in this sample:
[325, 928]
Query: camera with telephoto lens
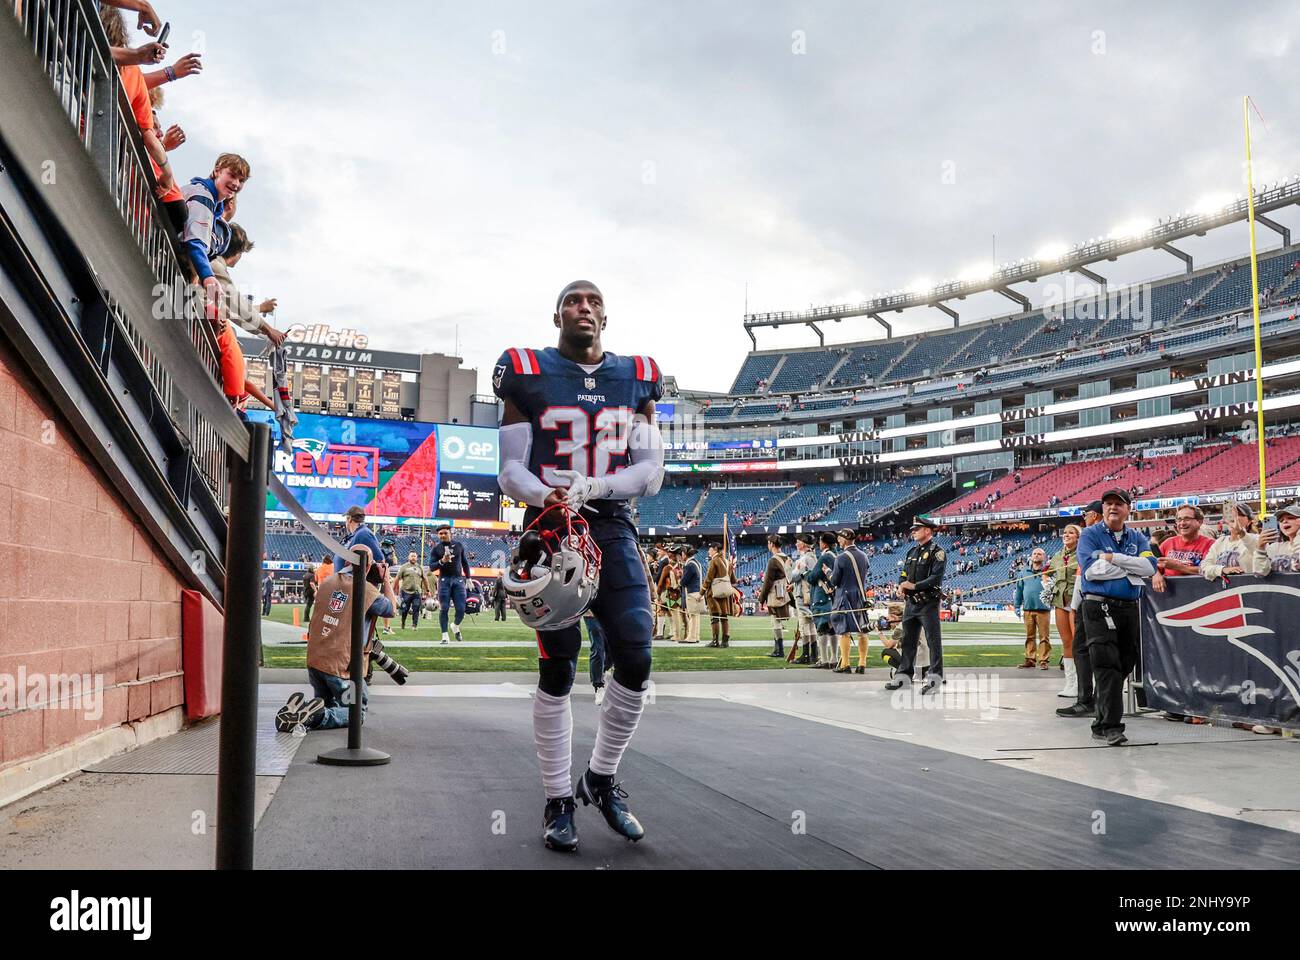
[387, 664]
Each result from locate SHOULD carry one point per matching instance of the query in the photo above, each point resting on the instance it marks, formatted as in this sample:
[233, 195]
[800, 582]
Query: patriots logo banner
[1229, 652]
[338, 600]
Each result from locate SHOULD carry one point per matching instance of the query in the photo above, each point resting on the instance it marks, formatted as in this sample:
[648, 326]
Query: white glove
[581, 488]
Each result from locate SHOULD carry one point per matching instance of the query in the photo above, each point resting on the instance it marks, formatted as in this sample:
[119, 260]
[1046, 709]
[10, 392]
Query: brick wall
[82, 591]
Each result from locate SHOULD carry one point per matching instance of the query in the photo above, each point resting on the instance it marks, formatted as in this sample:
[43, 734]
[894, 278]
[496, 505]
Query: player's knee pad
[632, 670]
[555, 675]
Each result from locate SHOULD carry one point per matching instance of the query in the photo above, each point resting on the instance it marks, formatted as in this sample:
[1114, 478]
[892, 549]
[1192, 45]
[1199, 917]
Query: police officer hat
[847, 534]
[923, 522]
[809, 539]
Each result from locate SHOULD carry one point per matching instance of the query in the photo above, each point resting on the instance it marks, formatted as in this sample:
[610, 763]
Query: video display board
[401, 472]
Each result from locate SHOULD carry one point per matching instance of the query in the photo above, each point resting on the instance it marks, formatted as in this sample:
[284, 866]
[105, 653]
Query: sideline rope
[656, 603]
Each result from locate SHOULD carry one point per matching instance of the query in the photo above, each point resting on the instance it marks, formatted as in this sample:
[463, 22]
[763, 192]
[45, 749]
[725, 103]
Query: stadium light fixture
[1130, 228]
[920, 285]
[1052, 252]
[977, 272]
[1212, 203]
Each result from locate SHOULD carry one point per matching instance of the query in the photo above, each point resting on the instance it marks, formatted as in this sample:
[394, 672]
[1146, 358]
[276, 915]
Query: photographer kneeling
[329, 648]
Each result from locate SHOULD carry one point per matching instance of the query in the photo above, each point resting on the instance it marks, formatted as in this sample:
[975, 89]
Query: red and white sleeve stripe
[646, 369]
[524, 361]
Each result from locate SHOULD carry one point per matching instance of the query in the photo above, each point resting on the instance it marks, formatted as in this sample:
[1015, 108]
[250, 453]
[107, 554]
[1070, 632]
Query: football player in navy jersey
[579, 429]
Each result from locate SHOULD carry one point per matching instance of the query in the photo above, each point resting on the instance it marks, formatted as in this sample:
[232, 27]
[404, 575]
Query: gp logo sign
[468, 449]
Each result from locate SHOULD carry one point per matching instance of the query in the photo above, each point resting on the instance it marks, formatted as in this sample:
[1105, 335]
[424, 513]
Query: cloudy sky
[425, 171]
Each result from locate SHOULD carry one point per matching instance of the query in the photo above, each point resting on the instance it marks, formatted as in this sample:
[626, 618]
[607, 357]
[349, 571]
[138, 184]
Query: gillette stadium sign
[316, 464]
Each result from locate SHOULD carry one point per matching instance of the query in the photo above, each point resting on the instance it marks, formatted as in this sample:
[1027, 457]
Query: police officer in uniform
[923, 573]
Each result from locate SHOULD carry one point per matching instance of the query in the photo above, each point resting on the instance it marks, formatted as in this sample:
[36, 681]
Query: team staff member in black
[308, 592]
[1085, 705]
[1114, 559]
[923, 574]
[448, 558]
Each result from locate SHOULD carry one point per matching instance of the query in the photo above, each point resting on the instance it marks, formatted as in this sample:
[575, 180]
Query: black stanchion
[354, 754]
[237, 758]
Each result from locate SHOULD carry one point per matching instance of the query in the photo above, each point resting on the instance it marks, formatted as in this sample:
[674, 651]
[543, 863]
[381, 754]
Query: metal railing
[70, 43]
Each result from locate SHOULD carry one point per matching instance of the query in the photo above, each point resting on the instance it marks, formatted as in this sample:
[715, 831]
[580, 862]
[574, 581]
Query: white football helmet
[554, 574]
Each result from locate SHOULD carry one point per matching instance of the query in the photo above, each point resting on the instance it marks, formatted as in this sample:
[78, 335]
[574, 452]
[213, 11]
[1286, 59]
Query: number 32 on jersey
[595, 446]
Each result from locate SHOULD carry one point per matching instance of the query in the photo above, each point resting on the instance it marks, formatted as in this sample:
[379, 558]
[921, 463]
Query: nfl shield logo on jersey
[338, 600]
[589, 383]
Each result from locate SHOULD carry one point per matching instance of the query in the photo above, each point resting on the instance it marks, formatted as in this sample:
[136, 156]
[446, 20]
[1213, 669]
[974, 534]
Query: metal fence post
[237, 764]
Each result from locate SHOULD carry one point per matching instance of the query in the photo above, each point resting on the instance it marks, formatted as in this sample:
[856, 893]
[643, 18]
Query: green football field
[1001, 650]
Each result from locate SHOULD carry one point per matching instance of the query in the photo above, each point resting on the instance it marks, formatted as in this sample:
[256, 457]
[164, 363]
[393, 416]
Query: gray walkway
[734, 769]
[725, 785]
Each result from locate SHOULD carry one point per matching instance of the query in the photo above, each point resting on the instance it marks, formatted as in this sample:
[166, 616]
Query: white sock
[553, 735]
[619, 713]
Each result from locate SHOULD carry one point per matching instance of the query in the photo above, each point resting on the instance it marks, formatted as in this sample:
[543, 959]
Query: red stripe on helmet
[516, 360]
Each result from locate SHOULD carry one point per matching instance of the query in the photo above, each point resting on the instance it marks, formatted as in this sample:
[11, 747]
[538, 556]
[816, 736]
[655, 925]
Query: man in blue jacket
[358, 535]
[1029, 599]
[1113, 562]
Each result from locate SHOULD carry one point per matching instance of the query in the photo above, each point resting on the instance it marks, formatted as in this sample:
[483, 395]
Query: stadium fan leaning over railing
[1238, 550]
[240, 307]
[1184, 553]
[207, 234]
[137, 86]
[234, 370]
[1283, 544]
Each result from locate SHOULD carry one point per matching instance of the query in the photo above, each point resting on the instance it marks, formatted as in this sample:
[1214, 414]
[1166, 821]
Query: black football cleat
[561, 831]
[608, 796]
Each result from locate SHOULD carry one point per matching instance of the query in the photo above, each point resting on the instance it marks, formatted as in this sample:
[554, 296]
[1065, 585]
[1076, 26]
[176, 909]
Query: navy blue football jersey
[580, 420]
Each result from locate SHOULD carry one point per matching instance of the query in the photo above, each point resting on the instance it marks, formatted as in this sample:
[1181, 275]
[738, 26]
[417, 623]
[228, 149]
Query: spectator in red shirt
[1181, 555]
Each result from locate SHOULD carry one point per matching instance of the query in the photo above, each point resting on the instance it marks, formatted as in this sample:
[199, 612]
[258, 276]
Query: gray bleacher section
[805, 370]
[1233, 291]
[662, 509]
[870, 360]
[1173, 302]
[755, 367]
